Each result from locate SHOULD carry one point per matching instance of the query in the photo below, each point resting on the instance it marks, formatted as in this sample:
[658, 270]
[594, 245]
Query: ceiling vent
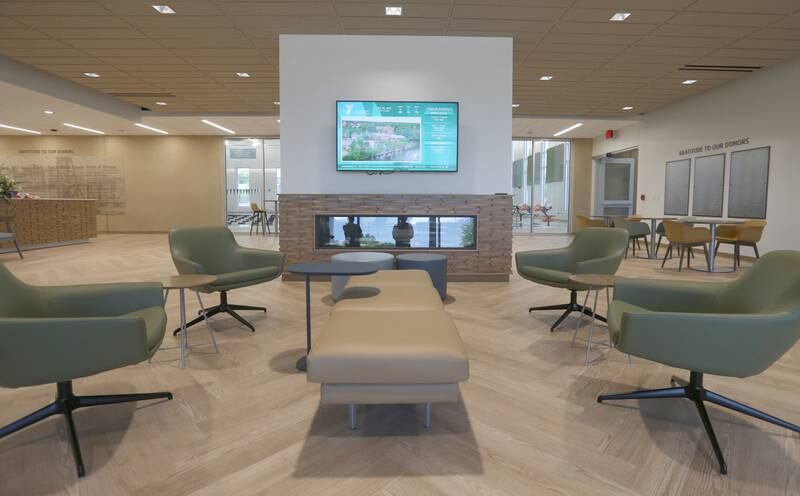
[720, 68]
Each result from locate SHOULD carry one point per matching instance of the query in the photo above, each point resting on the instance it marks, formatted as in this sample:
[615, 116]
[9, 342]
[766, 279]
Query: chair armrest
[557, 259]
[98, 300]
[43, 351]
[249, 258]
[670, 296]
[605, 265]
[186, 266]
[738, 345]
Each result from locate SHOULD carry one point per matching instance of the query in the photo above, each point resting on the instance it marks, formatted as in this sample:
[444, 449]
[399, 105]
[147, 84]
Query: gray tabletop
[332, 268]
[421, 257]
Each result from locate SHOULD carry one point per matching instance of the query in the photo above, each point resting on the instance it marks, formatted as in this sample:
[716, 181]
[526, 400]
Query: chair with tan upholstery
[388, 341]
[747, 233]
[684, 237]
[582, 222]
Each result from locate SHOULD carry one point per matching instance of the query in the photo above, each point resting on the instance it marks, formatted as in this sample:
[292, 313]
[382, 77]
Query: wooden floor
[245, 422]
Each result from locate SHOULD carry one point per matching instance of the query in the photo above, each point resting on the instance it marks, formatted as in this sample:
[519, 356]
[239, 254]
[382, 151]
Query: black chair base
[223, 307]
[572, 306]
[65, 403]
[695, 391]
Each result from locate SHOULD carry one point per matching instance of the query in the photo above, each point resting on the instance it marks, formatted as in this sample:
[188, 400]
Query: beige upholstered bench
[396, 346]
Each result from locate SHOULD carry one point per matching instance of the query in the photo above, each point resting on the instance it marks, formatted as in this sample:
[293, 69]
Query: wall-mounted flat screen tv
[382, 136]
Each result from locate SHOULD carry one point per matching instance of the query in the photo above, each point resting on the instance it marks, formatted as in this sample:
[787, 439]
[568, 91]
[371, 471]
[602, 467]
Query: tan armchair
[582, 222]
[747, 233]
[684, 236]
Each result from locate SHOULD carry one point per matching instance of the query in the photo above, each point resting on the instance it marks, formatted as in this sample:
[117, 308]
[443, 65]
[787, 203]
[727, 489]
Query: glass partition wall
[540, 186]
[252, 181]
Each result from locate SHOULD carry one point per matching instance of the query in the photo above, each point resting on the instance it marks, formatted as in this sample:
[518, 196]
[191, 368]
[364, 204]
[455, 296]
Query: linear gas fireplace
[406, 232]
[473, 231]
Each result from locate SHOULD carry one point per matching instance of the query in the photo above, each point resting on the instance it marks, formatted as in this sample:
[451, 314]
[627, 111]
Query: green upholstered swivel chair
[594, 250]
[735, 329]
[57, 334]
[636, 230]
[214, 251]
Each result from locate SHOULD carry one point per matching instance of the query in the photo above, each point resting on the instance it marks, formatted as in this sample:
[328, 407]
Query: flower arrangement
[8, 187]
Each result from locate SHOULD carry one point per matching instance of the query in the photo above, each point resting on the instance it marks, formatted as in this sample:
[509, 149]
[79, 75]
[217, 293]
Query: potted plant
[8, 187]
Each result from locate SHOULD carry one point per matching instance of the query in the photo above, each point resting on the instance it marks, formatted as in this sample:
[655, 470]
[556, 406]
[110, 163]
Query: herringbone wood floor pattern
[244, 422]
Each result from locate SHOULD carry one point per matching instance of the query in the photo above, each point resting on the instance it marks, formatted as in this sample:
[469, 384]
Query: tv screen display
[378, 136]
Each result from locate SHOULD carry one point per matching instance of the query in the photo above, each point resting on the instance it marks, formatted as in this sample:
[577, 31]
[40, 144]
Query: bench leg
[427, 421]
[353, 416]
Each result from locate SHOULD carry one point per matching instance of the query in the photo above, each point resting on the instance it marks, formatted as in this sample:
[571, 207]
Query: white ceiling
[546, 127]
[24, 108]
[598, 66]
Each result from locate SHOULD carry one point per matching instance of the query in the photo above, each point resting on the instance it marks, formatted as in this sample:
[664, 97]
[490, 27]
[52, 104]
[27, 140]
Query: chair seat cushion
[231, 280]
[384, 278]
[546, 276]
[409, 298]
[389, 347]
[155, 321]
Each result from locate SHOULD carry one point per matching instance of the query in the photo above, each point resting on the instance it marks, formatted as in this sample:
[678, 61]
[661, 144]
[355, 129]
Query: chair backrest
[750, 230]
[8, 222]
[254, 207]
[271, 219]
[211, 247]
[771, 285]
[675, 231]
[16, 297]
[598, 242]
[582, 222]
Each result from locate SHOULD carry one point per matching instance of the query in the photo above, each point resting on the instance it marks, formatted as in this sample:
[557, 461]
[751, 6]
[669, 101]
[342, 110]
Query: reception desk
[50, 222]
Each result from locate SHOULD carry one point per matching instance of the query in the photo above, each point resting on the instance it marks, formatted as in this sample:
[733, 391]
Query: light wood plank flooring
[244, 422]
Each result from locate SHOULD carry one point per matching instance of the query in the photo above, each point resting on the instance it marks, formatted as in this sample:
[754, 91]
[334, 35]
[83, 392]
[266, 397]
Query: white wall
[317, 70]
[764, 107]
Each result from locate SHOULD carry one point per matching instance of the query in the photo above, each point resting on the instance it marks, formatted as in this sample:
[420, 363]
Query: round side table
[596, 283]
[381, 260]
[182, 283]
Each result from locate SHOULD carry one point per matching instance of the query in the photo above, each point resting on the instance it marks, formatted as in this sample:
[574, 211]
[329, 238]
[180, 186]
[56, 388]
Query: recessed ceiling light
[212, 124]
[689, 81]
[243, 74]
[276, 103]
[150, 128]
[628, 107]
[279, 121]
[515, 105]
[164, 9]
[91, 74]
[393, 10]
[163, 104]
[545, 78]
[620, 16]
[564, 131]
[49, 112]
[87, 129]
[22, 129]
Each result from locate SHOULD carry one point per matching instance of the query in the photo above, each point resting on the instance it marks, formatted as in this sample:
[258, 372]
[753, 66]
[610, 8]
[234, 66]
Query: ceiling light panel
[620, 16]
[164, 9]
[20, 129]
[81, 128]
[393, 10]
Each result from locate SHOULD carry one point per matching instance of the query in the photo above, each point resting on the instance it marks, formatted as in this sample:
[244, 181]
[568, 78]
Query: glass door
[540, 186]
[252, 181]
[615, 183]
